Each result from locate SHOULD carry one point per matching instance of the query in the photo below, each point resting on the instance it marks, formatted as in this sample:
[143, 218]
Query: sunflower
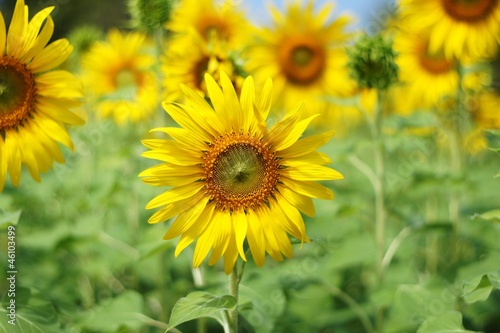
[303, 52]
[119, 73]
[468, 28]
[420, 68]
[187, 60]
[233, 178]
[34, 99]
[207, 18]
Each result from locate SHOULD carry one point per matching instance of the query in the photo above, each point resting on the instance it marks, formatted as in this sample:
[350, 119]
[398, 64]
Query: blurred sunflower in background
[420, 68]
[233, 178]
[207, 39]
[187, 60]
[484, 109]
[118, 73]
[34, 99]
[469, 28]
[207, 19]
[304, 53]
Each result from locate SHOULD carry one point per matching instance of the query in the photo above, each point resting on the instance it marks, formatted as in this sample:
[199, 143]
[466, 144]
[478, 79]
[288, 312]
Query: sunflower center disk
[239, 170]
[435, 63]
[125, 78]
[302, 60]
[240, 174]
[469, 10]
[17, 92]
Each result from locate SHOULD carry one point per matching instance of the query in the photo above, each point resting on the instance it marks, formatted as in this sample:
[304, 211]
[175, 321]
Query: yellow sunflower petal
[240, 226]
[222, 235]
[307, 145]
[184, 221]
[13, 158]
[247, 100]
[256, 238]
[231, 102]
[285, 221]
[3, 35]
[34, 28]
[183, 118]
[51, 56]
[311, 189]
[265, 219]
[303, 203]
[306, 171]
[58, 113]
[230, 256]
[175, 208]
[175, 194]
[196, 229]
[17, 30]
[294, 133]
[42, 39]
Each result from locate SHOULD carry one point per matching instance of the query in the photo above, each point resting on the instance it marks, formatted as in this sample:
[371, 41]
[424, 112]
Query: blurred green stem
[355, 307]
[458, 119]
[377, 179]
[379, 187]
[379, 150]
[201, 323]
[234, 282]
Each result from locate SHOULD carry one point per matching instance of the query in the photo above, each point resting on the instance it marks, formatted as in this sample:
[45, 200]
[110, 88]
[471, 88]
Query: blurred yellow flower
[485, 109]
[187, 61]
[233, 178]
[207, 18]
[459, 27]
[304, 53]
[34, 99]
[428, 76]
[118, 72]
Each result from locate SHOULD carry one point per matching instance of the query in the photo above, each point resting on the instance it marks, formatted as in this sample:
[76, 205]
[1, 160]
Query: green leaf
[447, 322]
[478, 289]
[494, 279]
[124, 310]
[492, 216]
[9, 218]
[33, 313]
[201, 304]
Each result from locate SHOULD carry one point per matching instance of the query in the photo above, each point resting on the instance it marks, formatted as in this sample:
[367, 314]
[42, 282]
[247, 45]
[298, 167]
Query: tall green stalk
[379, 189]
[234, 282]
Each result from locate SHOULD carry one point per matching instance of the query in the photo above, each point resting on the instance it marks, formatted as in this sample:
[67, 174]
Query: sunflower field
[239, 166]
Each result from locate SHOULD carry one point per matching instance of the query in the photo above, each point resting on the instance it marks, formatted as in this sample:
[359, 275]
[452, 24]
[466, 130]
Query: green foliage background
[88, 261]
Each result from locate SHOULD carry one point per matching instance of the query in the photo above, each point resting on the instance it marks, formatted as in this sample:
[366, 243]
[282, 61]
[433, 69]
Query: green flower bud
[83, 37]
[372, 62]
[150, 15]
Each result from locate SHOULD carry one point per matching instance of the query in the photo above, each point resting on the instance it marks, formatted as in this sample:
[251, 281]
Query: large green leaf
[480, 288]
[447, 322]
[492, 216]
[201, 304]
[33, 313]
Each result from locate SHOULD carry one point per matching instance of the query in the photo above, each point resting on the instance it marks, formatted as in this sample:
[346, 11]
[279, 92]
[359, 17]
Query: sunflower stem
[456, 162]
[234, 282]
[379, 201]
[379, 188]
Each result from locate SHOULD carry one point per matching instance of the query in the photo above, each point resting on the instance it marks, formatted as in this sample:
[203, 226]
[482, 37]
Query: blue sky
[365, 11]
